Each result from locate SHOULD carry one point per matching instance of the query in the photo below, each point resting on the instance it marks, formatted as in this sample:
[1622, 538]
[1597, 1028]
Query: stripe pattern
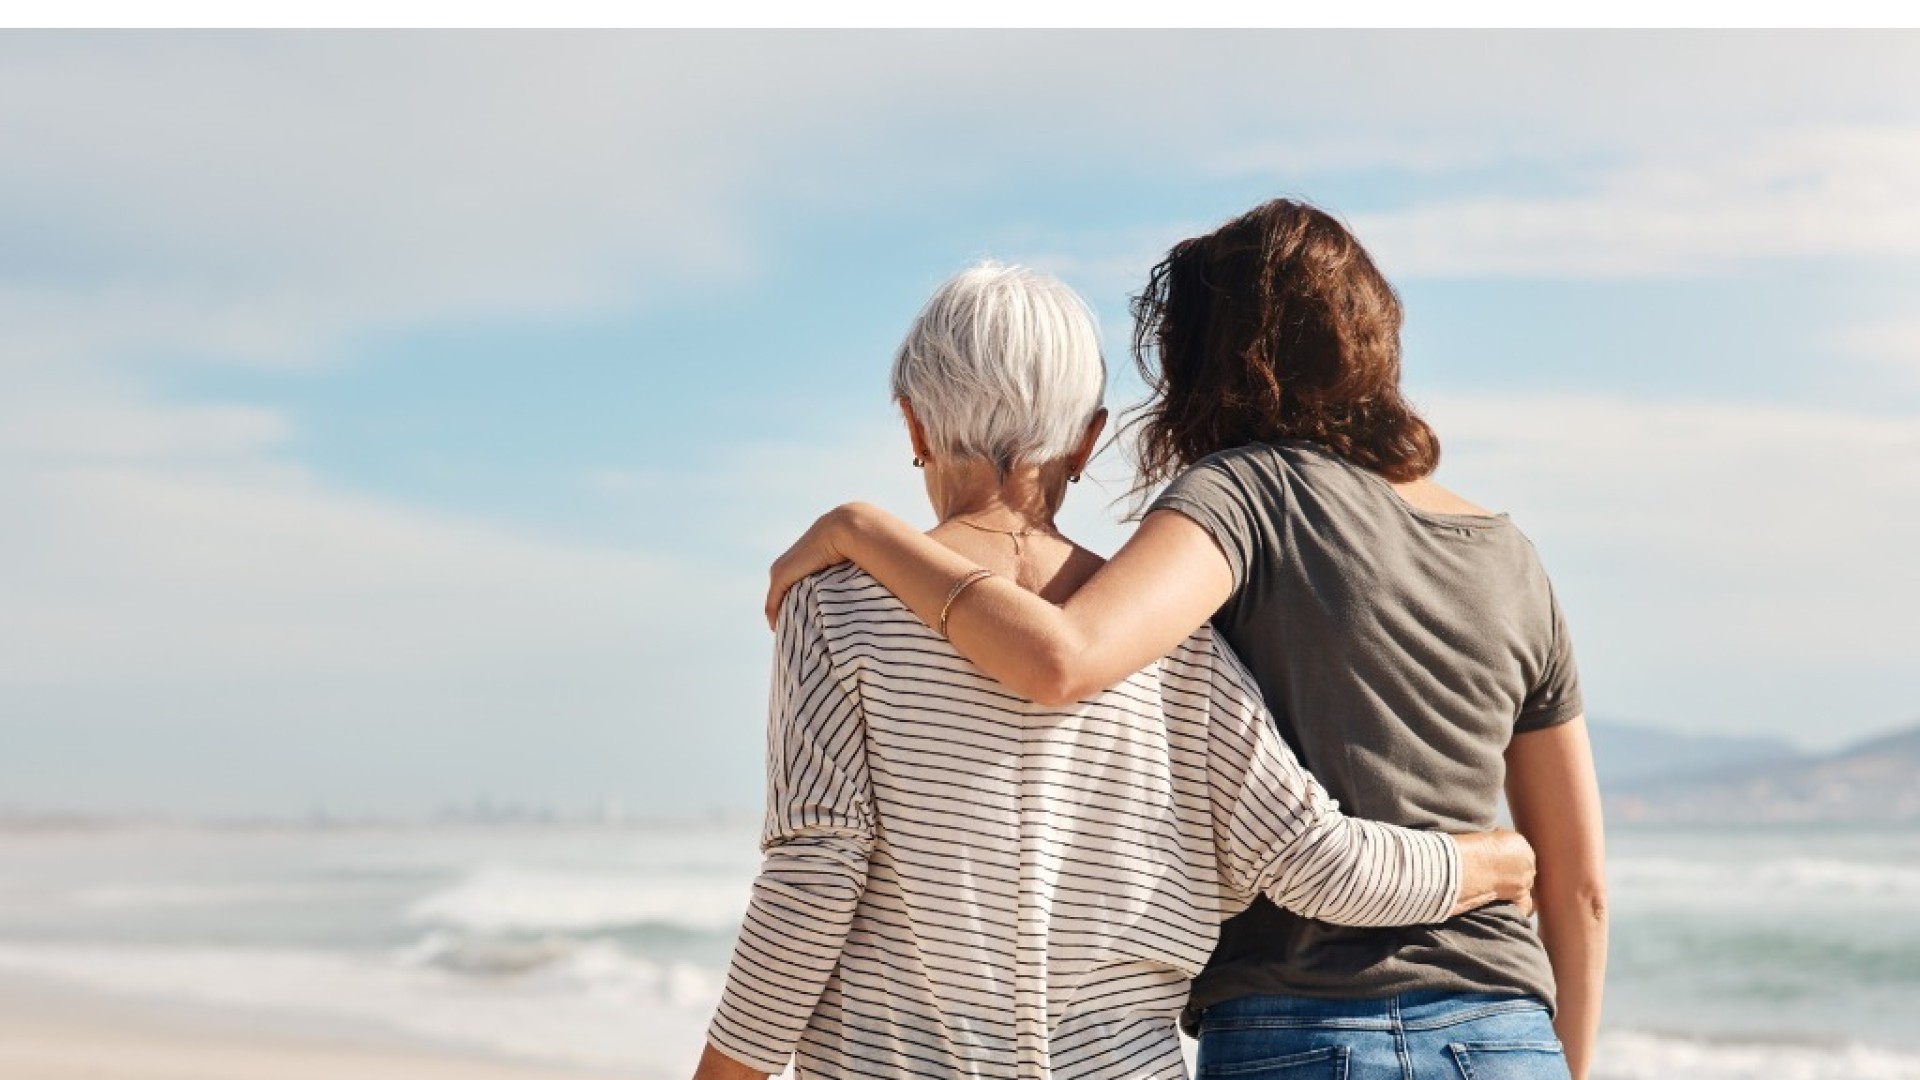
[960, 883]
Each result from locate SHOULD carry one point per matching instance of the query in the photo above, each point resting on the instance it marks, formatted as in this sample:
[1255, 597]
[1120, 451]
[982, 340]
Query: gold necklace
[1016, 535]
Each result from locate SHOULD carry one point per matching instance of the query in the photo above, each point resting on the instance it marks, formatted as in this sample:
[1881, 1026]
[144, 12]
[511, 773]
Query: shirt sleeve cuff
[1448, 854]
[753, 1056]
[1551, 716]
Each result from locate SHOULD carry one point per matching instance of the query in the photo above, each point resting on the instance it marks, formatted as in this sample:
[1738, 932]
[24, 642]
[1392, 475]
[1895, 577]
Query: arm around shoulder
[1164, 583]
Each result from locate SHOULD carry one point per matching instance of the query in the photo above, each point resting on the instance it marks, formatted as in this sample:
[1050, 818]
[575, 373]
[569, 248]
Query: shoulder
[836, 589]
[1263, 471]
[1284, 455]
[1523, 561]
[847, 584]
[844, 605]
[1214, 482]
[1251, 458]
[827, 616]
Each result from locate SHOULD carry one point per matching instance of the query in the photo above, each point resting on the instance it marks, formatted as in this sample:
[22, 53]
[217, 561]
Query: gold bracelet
[958, 588]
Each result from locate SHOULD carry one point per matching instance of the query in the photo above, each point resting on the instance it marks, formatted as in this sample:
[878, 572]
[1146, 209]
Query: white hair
[1002, 364]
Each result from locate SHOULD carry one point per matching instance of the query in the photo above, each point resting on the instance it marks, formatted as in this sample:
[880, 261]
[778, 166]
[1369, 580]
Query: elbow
[1055, 693]
[1593, 904]
[1059, 679]
[1582, 903]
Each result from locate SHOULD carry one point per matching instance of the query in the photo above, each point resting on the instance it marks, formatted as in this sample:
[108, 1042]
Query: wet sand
[56, 1035]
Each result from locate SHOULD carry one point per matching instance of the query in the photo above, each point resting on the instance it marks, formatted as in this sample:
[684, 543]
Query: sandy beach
[55, 1035]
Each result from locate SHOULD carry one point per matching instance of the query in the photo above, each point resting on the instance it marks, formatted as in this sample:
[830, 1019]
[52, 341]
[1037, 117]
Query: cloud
[159, 541]
[1893, 347]
[1747, 564]
[197, 623]
[122, 431]
[262, 197]
[1823, 194]
[176, 573]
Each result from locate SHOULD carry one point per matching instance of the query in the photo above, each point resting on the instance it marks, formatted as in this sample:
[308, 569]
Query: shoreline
[56, 1031]
[52, 1030]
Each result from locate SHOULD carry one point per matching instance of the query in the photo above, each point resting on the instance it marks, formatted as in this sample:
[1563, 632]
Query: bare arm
[1165, 583]
[1555, 800]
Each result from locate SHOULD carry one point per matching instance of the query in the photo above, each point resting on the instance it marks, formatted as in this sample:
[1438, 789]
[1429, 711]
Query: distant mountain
[1901, 744]
[1628, 756]
[1874, 782]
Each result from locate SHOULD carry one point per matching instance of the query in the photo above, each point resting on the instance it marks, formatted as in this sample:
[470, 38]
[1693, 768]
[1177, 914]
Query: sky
[389, 421]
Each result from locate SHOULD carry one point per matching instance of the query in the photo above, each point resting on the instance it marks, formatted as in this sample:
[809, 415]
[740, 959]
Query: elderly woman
[959, 882]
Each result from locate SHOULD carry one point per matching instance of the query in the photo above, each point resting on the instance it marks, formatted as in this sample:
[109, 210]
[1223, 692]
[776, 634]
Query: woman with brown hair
[962, 883]
[1407, 642]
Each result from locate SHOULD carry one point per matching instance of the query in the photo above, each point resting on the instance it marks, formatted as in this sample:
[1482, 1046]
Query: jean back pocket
[1509, 1060]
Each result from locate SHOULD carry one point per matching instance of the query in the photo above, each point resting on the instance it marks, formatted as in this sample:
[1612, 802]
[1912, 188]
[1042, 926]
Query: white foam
[1764, 880]
[1633, 1055]
[597, 1007]
[502, 898]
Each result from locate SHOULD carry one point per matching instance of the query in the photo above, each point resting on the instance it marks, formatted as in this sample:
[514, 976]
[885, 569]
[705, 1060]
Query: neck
[1027, 497]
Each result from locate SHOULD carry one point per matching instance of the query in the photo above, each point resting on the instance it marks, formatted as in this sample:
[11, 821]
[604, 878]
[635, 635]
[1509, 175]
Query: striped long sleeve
[1278, 832]
[958, 882]
[817, 836]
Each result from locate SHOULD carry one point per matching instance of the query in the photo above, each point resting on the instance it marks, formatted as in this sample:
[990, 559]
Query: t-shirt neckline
[1438, 517]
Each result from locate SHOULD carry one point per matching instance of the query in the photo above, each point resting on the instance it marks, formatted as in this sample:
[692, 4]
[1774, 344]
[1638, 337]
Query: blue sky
[393, 419]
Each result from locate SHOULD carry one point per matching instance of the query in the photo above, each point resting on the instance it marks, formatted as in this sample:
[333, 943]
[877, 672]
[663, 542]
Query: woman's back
[1400, 651]
[1039, 884]
[1033, 882]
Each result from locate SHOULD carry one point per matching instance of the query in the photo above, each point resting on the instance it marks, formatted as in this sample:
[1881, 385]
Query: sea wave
[503, 898]
[596, 966]
[1638, 1055]
[148, 895]
[593, 1004]
[1766, 879]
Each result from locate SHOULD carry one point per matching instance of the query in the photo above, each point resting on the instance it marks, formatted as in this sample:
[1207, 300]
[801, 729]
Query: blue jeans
[1423, 1036]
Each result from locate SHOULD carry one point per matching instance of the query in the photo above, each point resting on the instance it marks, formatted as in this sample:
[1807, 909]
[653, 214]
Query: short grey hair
[1002, 364]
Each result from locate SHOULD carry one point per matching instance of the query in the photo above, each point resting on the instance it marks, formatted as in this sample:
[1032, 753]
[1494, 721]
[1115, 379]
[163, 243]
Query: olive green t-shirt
[1399, 651]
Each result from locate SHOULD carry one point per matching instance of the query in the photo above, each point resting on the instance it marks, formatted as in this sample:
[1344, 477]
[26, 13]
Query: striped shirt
[961, 883]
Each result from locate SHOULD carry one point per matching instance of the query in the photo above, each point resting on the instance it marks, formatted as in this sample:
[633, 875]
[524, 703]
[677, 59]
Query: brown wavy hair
[1276, 325]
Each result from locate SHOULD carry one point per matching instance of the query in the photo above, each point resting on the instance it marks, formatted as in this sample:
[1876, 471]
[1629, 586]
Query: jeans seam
[1400, 1039]
[1260, 1023]
[1336, 1055]
[1479, 1012]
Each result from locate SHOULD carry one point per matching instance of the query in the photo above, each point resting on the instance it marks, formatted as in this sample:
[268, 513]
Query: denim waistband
[1418, 1009]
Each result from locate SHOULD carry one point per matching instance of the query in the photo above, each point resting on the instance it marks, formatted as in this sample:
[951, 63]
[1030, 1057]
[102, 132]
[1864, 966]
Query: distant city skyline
[390, 418]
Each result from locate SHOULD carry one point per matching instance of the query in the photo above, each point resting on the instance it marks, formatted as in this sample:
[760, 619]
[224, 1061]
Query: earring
[1073, 478]
[919, 464]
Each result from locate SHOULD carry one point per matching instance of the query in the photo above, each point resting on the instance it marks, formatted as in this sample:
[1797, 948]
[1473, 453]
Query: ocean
[1783, 954]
